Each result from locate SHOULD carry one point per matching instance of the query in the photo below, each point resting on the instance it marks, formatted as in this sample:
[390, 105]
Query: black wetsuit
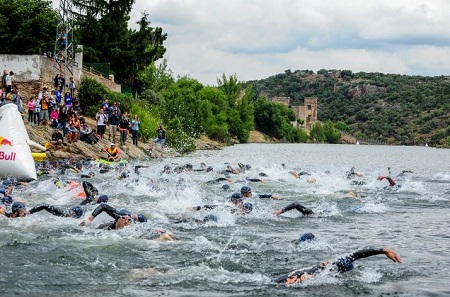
[54, 210]
[295, 276]
[216, 181]
[305, 211]
[89, 190]
[111, 211]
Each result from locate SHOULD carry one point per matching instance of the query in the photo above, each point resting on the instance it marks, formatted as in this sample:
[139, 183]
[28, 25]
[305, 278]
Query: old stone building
[307, 112]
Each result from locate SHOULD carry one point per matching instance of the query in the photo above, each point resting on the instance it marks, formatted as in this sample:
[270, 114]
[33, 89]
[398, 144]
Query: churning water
[44, 255]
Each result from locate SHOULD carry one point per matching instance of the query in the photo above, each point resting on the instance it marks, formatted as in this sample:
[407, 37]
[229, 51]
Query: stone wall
[33, 72]
[110, 84]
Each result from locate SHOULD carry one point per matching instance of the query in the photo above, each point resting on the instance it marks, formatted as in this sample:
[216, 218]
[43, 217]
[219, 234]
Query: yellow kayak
[39, 156]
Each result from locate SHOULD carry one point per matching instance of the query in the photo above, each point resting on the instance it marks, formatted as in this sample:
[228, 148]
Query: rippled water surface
[44, 255]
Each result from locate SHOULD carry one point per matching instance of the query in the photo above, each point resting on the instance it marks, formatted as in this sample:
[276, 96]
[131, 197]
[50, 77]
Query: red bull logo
[5, 141]
[7, 157]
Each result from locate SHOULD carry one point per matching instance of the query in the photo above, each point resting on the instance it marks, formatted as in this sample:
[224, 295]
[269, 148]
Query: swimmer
[122, 218]
[352, 173]
[137, 167]
[340, 265]
[218, 180]
[246, 191]
[306, 237]
[73, 212]
[298, 174]
[18, 209]
[305, 211]
[98, 200]
[404, 173]
[392, 183]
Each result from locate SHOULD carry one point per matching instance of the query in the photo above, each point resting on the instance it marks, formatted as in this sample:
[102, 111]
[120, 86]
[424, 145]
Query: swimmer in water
[305, 211]
[340, 265]
[392, 183]
[122, 218]
[246, 191]
[73, 212]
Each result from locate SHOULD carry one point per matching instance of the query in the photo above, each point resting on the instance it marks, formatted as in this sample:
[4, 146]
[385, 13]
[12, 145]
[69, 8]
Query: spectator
[8, 82]
[72, 136]
[54, 115]
[87, 134]
[44, 110]
[68, 100]
[30, 107]
[57, 139]
[72, 87]
[135, 129]
[113, 121]
[62, 120]
[101, 122]
[124, 128]
[161, 132]
[37, 111]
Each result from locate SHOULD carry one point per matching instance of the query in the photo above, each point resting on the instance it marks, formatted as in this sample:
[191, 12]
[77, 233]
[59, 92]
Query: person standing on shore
[161, 132]
[135, 129]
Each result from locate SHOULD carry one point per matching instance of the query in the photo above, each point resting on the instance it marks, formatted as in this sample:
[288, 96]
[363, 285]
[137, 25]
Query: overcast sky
[255, 39]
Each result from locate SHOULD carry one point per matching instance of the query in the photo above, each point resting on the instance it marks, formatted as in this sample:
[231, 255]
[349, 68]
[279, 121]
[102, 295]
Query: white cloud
[259, 38]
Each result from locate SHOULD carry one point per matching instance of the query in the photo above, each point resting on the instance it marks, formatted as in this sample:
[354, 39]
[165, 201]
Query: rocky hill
[388, 108]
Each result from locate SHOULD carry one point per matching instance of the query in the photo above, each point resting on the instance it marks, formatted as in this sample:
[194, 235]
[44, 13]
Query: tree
[317, 133]
[27, 27]
[103, 30]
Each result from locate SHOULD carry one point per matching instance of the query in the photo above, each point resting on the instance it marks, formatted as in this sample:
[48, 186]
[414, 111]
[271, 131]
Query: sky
[255, 39]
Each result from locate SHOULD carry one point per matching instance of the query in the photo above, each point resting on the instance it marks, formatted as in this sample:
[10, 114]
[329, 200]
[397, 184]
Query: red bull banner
[15, 154]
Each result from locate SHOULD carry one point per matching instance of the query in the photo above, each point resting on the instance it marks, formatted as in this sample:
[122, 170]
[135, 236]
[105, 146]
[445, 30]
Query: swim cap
[225, 187]
[141, 218]
[210, 218]
[344, 264]
[102, 199]
[247, 207]
[306, 237]
[188, 166]
[246, 189]
[77, 211]
[235, 197]
[167, 167]
[124, 175]
[94, 190]
[209, 169]
[16, 206]
[124, 212]
[7, 200]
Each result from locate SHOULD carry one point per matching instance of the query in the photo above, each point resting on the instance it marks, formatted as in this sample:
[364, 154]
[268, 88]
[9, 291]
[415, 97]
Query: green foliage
[27, 27]
[177, 138]
[317, 133]
[103, 28]
[375, 105]
[330, 133]
[273, 119]
[91, 94]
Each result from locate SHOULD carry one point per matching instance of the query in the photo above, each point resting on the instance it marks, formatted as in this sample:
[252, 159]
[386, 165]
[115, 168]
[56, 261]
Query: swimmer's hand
[276, 197]
[391, 254]
[278, 212]
[88, 221]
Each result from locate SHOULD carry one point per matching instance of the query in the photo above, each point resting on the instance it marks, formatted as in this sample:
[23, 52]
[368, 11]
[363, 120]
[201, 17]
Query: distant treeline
[391, 108]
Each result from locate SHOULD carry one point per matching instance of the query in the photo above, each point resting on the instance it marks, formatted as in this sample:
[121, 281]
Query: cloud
[258, 38]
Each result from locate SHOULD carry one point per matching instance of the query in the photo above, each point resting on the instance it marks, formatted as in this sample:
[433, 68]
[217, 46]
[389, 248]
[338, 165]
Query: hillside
[389, 108]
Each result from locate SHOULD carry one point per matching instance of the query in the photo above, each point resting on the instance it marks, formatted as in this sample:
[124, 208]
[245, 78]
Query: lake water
[44, 255]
